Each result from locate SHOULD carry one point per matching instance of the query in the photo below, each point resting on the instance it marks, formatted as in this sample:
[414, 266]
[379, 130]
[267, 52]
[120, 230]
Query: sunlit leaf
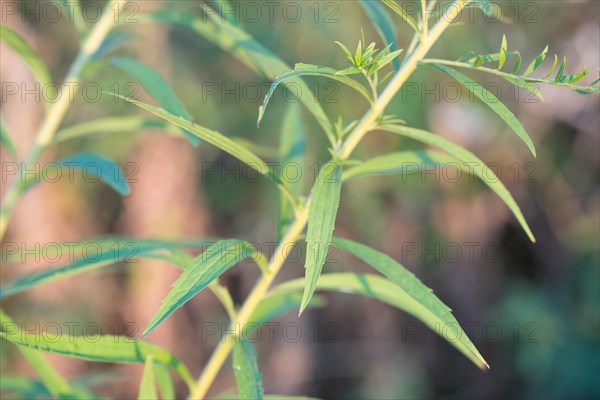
[213, 137]
[502, 57]
[325, 199]
[474, 165]
[384, 24]
[425, 305]
[102, 348]
[105, 252]
[122, 124]
[382, 289]
[208, 266]
[491, 101]
[240, 44]
[272, 307]
[147, 390]
[56, 385]
[157, 88]
[37, 66]
[164, 381]
[536, 63]
[312, 70]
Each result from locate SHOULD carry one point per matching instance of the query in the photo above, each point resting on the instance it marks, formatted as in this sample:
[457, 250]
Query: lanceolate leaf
[240, 44]
[384, 24]
[380, 288]
[105, 348]
[147, 390]
[124, 124]
[213, 137]
[493, 102]
[162, 375]
[325, 199]
[6, 141]
[536, 63]
[502, 57]
[312, 70]
[471, 163]
[292, 148]
[98, 166]
[247, 375]
[98, 253]
[37, 66]
[156, 87]
[206, 267]
[428, 307]
[56, 385]
[402, 162]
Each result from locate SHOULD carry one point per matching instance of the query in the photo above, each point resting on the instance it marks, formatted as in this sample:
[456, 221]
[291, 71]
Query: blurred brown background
[533, 310]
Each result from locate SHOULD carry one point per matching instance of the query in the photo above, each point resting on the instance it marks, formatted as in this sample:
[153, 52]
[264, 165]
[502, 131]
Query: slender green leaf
[553, 67]
[428, 307]
[536, 63]
[241, 45]
[502, 58]
[102, 348]
[56, 385]
[6, 141]
[474, 165]
[491, 101]
[517, 63]
[164, 381]
[311, 70]
[123, 124]
[99, 166]
[157, 88]
[402, 162]
[402, 13]
[213, 137]
[561, 71]
[147, 390]
[292, 149]
[402, 297]
[247, 375]
[107, 252]
[206, 267]
[384, 24]
[37, 66]
[325, 199]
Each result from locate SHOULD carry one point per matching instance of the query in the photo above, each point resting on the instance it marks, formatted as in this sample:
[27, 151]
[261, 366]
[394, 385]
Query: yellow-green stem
[59, 109]
[258, 293]
[222, 351]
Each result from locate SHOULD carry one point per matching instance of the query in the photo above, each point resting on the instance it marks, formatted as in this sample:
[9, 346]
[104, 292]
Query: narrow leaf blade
[430, 308]
[206, 267]
[157, 88]
[471, 162]
[247, 375]
[325, 199]
[492, 102]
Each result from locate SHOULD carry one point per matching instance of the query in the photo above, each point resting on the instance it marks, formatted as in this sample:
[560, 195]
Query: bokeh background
[533, 310]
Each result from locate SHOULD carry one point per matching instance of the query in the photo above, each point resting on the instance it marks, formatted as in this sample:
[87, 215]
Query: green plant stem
[261, 288]
[258, 293]
[57, 113]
